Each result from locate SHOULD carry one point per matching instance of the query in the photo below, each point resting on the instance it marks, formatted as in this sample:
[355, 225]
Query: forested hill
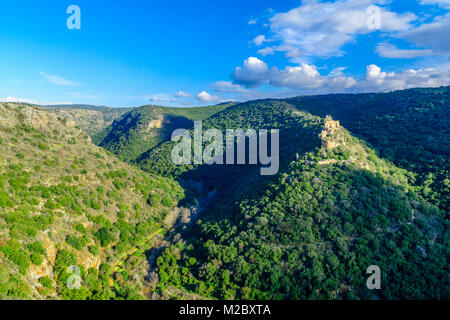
[311, 231]
[65, 202]
[142, 128]
[409, 127]
[368, 185]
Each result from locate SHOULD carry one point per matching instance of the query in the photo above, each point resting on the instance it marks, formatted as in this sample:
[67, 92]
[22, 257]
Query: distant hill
[80, 106]
[66, 202]
[140, 129]
[90, 119]
[409, 127]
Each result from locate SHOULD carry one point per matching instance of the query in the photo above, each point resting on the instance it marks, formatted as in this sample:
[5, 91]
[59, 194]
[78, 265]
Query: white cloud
[259, 40]
[255, 72]
[433, 35]
[227, 86]
[321, 29]
[253, 21]
[303, 76]
[266, 51]
[378, 81]
[441, 3]
[58, 80]
[388, 50]
[206, 97]
[161, 97]
[252, 74]
[306, 78]
[18, 100]
[339, 71]
[375, 75]
[31, 101]
[182, 94]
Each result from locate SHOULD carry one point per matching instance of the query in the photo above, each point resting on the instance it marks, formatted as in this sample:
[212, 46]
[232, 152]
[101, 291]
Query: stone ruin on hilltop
[328, 133]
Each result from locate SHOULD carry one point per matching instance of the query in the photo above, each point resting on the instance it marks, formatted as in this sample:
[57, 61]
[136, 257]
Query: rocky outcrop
[157, 123]
[328, 134]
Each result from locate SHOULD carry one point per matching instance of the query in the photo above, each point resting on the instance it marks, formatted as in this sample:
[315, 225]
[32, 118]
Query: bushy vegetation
[70, 206]
[374, 191]
[409, 128]
[312, 236]
[309, 233]
[145, 127]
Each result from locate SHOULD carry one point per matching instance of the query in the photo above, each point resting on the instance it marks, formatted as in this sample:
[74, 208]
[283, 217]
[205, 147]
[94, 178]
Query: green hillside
[142, 128]
[309, 233]
[233, 181]
[363, 180]
[66, 202]
[409, 127]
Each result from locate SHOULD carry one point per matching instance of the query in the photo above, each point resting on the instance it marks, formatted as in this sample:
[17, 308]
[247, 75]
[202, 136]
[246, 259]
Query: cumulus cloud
[306, 78]
[206, 97]
[303, 76]
[321, 29]
[58, 80]
[253, 21]
[252, 74]
[379, 81]
[388, 50]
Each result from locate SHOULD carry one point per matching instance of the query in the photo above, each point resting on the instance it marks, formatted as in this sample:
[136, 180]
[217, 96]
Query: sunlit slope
[408, 127]
[66, 202]
[142, 128]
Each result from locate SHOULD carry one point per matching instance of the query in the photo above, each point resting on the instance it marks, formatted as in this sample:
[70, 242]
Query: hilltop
[142, 128]
[408, 127]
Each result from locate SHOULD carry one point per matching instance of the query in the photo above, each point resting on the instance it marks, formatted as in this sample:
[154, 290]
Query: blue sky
[187, 53]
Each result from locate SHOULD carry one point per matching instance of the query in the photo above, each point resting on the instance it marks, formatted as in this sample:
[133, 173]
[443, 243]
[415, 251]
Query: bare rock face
[35, 118]
[88, 261]
[155, 124]
[42, 270]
